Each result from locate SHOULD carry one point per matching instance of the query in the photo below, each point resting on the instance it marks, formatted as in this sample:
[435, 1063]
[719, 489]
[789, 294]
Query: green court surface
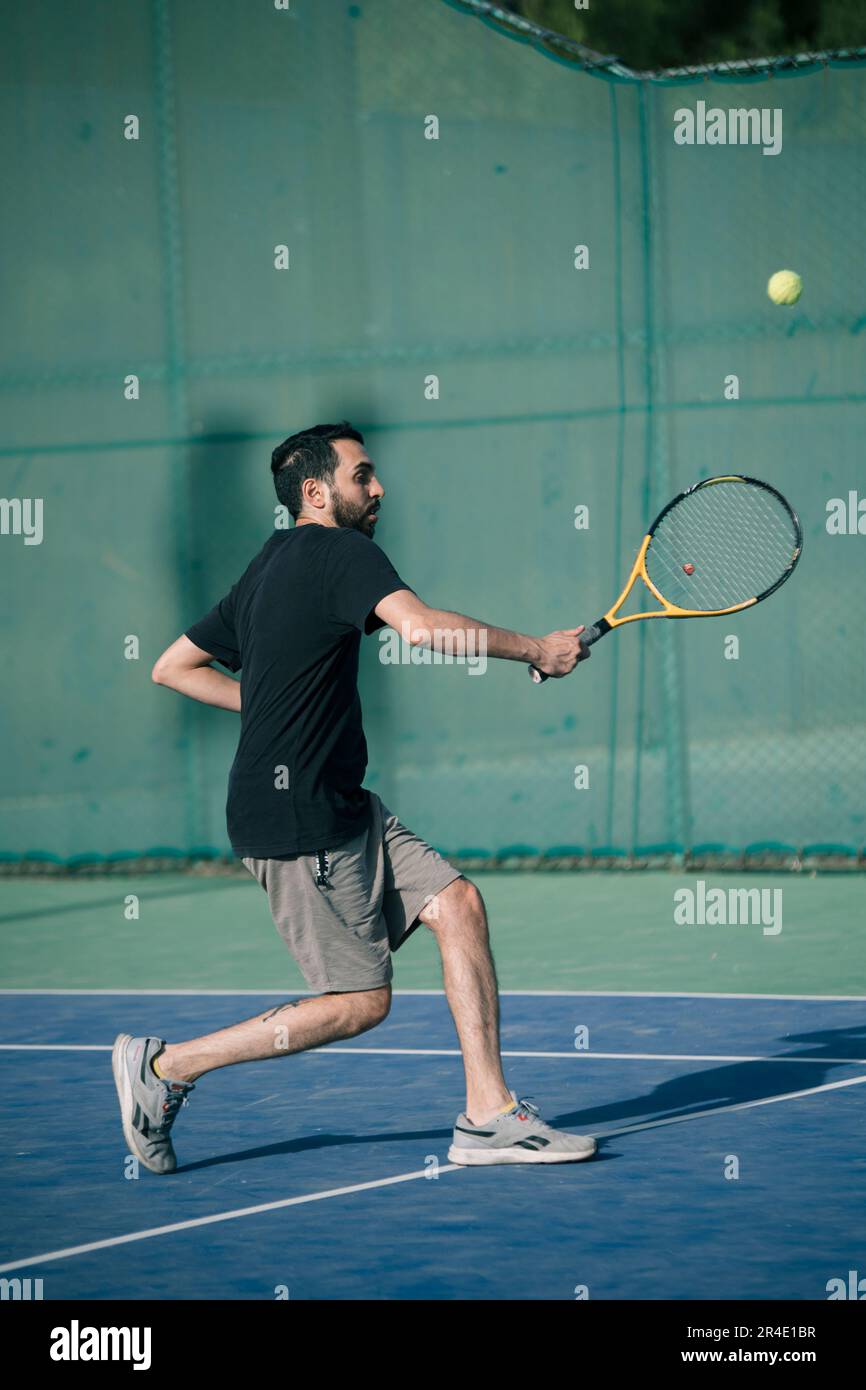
[550, 931]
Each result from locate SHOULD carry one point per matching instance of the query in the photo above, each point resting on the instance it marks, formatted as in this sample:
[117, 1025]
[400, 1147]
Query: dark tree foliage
[649, 34]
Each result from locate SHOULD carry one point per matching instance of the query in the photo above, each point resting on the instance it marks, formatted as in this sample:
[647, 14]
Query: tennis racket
[721, 546]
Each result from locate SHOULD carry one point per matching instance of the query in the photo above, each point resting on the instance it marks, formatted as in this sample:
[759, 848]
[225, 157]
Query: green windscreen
[529, 405]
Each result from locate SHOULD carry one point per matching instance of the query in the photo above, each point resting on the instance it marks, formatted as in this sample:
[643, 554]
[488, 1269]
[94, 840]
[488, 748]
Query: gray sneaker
[518, 1136]
[148, 1105]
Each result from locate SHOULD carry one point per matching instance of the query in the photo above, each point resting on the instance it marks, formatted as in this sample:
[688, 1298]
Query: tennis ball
[785, 287]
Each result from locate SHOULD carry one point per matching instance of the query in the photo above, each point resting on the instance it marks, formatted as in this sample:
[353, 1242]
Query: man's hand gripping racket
[723, 545]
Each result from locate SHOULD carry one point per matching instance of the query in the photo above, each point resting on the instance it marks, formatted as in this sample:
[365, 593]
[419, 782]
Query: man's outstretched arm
[556, 654]
[185, 667]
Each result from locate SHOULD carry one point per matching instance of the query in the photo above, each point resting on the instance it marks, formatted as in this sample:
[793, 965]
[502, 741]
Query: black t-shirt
[293, 622]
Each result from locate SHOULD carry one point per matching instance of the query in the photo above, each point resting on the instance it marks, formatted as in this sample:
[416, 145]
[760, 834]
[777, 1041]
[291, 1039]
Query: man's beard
[356, 516]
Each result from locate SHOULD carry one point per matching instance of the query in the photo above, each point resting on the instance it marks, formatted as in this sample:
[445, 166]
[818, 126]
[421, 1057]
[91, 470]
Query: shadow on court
[732, 1084]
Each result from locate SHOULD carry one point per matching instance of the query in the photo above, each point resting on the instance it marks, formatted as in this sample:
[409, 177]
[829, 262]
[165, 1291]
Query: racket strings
[766, 539]
[739, 537]
[731, 564]
[738, 545]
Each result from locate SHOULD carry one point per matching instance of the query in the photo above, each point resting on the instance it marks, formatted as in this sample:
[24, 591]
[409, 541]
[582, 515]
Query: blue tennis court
[324, 1175]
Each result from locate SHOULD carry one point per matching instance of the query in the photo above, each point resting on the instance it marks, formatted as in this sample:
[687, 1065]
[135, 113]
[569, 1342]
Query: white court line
[111, 1241]
[739, 1105]
[512, 993]
[574, 1052]
[455, 1052]
[55, 1047]
[71, 1250]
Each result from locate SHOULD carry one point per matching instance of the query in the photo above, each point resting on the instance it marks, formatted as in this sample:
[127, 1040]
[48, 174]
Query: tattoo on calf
[291, 1004]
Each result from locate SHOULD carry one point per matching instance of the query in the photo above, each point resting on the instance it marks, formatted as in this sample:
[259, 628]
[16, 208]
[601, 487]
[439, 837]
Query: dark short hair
[308, 454]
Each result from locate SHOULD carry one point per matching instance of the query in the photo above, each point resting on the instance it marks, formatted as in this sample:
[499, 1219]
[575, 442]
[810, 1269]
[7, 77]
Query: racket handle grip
[587, 637]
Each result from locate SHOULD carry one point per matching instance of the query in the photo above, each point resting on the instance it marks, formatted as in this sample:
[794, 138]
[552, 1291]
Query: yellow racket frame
[673, 610]
[668, 609]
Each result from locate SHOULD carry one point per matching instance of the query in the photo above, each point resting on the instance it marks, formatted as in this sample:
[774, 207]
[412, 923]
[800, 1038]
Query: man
[346, 882]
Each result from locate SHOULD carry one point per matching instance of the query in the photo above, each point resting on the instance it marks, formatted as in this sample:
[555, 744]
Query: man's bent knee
[460, 902]
[368, 1007]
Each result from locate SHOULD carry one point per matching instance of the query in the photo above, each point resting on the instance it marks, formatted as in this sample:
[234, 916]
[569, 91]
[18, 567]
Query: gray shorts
[342, 911]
